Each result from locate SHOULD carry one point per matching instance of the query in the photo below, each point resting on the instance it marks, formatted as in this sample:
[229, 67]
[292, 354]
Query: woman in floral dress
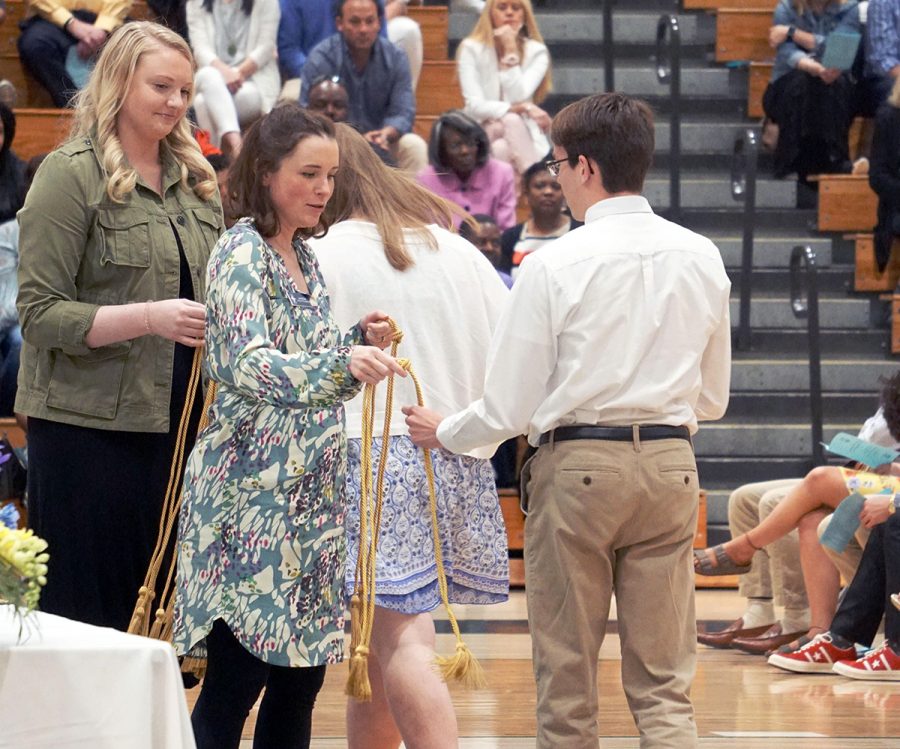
[261, 538]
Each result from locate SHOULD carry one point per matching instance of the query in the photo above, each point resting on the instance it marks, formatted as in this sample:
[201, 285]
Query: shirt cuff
[60, 16]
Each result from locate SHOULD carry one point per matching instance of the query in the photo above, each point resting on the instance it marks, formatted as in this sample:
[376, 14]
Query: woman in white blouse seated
[237, 78]
[504, 68]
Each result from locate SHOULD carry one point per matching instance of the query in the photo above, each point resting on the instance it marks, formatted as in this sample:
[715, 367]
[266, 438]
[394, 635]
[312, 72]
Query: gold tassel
[463, 667]
[355, 616]
[358, 685]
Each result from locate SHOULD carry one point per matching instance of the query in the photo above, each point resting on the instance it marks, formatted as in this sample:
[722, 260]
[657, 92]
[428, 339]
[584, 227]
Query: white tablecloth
[74, 685]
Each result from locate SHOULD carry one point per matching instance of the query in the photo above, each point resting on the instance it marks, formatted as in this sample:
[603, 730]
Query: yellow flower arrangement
[23, 564]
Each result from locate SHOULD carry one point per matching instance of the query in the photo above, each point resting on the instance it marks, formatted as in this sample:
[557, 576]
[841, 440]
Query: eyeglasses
[553, 166]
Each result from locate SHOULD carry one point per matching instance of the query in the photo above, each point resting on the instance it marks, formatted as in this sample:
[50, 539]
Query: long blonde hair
[97, 107]
[389, 198]
[483, 33]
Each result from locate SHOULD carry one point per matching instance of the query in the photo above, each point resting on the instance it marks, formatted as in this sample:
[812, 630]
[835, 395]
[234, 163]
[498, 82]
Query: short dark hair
[268, 141]
[469, 128]
[337, 8]
[468, 229]
[538, 167]
[612, 129]
[890, 403]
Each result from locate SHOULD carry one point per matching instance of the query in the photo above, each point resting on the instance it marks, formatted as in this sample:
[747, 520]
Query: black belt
[616, 434]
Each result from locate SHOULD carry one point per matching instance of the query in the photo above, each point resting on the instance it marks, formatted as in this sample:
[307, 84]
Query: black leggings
[234, 678]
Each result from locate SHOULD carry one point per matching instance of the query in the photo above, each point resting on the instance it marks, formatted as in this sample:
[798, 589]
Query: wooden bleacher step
[846, 203]
[715, 5]
[866, 276]
[743, 34]
[435, 23]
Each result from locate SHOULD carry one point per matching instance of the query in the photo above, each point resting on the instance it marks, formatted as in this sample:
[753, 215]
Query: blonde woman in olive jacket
[115, 235]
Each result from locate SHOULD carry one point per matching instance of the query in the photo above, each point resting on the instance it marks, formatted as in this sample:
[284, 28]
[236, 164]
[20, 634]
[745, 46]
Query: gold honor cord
[462, 665]
[160, 627]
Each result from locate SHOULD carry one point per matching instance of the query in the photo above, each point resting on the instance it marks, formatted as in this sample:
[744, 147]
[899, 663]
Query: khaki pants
[776, 571]
[608, 517]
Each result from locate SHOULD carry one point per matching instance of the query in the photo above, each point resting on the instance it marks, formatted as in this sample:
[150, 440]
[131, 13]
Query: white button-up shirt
[622, 321]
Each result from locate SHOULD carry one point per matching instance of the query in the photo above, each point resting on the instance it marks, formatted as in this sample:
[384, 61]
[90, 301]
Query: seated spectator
[775, 577]
[376, 75]
[822, 488]
[884, 175]
[462, 170]
[547, 221]
[483, 232]
[10, 332]
[305, 23]
[237, 76]
[12, 168]
[812, 105]
[504, 68]
[882, 66]
[328, 96]
[867, 600]
[53, 27]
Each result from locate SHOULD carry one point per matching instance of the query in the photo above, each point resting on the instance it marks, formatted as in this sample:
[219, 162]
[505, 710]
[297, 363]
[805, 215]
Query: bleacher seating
[435, 23]
[714, 5]
[866, 276]
[846, 203]
[743, 34]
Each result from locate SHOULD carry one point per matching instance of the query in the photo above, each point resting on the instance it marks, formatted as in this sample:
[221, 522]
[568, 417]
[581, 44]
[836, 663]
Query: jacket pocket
[125, 236]
[89, 385]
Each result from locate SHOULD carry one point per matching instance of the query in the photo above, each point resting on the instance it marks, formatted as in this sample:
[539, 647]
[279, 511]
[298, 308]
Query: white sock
[795, 620]
[759, 611]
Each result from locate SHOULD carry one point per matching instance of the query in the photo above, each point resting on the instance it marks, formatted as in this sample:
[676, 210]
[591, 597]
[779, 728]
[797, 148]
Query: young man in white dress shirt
[612, 347]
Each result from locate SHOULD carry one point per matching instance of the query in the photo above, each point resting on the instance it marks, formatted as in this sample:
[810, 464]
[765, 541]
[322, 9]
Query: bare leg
[821, 577]
[822, 487]
[370, 724]
[418, 701]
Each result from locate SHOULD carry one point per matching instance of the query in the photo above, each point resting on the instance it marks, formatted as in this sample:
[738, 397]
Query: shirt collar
[617, 206]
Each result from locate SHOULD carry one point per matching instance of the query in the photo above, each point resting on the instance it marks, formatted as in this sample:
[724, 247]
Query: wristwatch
[790, 35]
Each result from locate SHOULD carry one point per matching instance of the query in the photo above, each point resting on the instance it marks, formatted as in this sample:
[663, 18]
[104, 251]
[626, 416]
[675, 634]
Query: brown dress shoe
[768, 641]
[724, 637]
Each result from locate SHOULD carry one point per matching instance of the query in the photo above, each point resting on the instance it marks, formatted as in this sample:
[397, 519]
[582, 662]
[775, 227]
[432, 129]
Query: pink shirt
[490, 189]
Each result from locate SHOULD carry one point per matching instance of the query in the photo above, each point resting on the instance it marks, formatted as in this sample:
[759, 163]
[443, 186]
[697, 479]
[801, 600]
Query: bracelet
[511, 59]
[147, 316]
[68, 21]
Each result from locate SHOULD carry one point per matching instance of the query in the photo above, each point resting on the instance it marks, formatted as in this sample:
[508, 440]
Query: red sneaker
[818, 656]
[882, 664]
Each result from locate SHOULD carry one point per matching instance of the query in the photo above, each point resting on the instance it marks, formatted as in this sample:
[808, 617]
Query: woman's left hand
[537, 114]
[376, 329]
[875, 509]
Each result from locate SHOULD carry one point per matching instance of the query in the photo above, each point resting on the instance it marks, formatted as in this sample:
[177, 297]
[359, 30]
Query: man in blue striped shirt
[882, 51]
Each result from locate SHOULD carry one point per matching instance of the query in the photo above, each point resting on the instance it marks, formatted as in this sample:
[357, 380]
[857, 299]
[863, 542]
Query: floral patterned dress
[261, 531]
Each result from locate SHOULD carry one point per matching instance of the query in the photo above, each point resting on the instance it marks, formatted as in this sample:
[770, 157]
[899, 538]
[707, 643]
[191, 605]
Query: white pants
[218, 110]
[406, 34]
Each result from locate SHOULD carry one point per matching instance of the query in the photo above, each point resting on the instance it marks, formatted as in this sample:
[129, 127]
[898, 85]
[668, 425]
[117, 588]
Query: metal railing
[807, 307]
[668, 70]
[609, 58]
[743, 187]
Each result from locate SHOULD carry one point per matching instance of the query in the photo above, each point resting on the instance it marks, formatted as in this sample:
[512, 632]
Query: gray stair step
[771, 251]
[701, 135]
[714, 191]
[722, 438]
[629, 27]
[719, 471]
[852, 342]
[777, 313]
[778, 407]
[850, 376]
[640, 80]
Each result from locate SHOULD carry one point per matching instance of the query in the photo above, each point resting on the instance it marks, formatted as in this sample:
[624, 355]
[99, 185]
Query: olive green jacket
[78, 251]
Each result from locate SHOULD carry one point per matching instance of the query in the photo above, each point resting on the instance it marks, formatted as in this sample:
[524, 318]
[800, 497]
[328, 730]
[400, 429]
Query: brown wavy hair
[267, 143]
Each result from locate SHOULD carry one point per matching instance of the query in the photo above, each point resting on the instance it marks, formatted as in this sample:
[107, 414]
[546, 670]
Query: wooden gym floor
[740, 701]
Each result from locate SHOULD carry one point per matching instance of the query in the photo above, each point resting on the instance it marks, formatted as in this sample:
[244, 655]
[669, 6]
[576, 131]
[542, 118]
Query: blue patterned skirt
[471, 529]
